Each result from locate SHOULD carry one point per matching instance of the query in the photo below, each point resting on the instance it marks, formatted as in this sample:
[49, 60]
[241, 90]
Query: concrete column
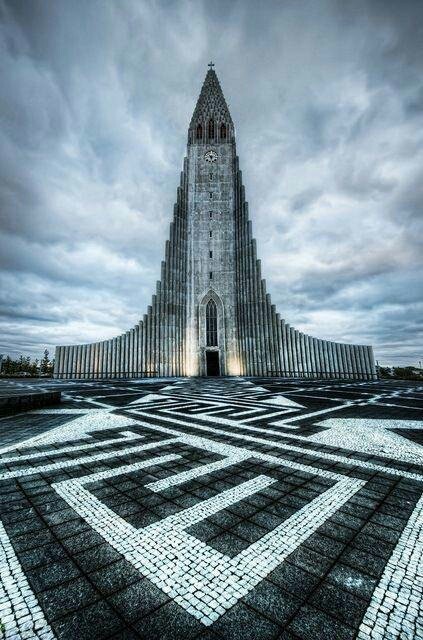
[297, 351]
[106, 359]
[100, 360]
[280, 344]
[64, 362]
[308, 356]
[318, 370]
[253, 338]
[368, 362]
[330, 360]
[87, 361]
[361, 363]
[72, 363]
[310, 344]
[269, 325]
[246, 299]
[303, 360]
[248, 278]
[57, 362]
[372, 362]
[113, 358]
[345, 357]
[148, 349]
[130, 352]
[84, 361]
[360, 371]
[81, 361]
[75, 361]
[145, 345]
[353, 361]
[290, 344]
[325, 356]
[293, 352]
[139, 348]
[117, 357]
[94, 360]
[135, 353]
[340, 360]
[364, 361]
[349, 361]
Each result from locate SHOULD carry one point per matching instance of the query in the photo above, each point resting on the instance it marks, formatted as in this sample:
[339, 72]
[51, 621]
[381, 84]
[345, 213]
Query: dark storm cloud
[327, 98]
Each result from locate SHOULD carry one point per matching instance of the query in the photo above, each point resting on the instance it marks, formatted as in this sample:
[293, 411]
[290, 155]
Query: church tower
[211, 313]
[212, 345]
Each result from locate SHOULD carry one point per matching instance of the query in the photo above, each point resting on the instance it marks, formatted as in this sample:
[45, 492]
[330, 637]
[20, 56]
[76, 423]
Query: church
[211, 314]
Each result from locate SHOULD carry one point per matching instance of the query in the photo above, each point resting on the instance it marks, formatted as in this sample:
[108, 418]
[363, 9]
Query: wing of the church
[211, 313]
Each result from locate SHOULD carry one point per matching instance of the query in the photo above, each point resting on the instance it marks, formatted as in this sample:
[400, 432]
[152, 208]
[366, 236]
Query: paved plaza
[208, 508]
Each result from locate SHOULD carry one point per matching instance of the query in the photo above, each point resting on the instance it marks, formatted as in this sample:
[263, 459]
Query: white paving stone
[20, 612]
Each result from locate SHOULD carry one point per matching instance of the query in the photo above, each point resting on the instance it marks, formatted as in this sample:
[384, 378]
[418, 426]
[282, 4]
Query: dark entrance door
[212, 362]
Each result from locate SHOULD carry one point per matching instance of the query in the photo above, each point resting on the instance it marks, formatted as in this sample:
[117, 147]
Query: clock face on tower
[210, 156]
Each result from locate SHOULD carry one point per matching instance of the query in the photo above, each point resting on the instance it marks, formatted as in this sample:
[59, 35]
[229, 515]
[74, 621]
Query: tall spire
[211, 105]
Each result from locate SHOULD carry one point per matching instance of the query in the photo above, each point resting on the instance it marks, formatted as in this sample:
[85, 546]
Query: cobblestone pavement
[214, 508]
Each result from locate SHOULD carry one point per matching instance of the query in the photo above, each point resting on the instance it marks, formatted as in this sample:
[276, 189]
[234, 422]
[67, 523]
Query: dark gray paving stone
[339, 604]
[41, 555]
[312, 624]
[114, 577]
[249, 531]
[272, 602]
[242, 620]
[95, 622]
[138, 599]
[60, 600]
[52, 575]
[351, 580]
[294, 580]
[96, 558]
[228, 543]
[168, 622]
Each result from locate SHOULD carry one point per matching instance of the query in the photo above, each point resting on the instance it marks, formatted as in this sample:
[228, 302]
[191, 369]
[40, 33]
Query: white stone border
[20, 612]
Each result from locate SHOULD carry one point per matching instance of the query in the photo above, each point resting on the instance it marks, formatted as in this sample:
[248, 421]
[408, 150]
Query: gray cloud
[96, 98]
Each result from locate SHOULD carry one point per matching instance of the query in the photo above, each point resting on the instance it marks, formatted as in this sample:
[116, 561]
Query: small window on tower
[211, 254]
[211, 195]
[211, 129]
[223, 131]
[211, 275]
[211, 214]
[211, 176]
[199, 132]
[211, 234]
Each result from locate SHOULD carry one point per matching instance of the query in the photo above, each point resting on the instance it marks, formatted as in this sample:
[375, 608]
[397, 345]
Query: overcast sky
[327, 100]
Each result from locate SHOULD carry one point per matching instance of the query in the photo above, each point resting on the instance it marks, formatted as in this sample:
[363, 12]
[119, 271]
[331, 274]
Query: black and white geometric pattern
[214, 508]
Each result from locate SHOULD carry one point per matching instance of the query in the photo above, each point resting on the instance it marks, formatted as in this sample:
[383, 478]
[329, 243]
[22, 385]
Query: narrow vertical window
[211, 195]
[211, 324]
[211, 129]
[199, 132]
[211, 234]
[223, 131]
[211, 214]
[211, 275]
[210, 254]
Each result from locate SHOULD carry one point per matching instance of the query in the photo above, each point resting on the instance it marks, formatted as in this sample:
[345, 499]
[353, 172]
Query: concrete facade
[211, 257]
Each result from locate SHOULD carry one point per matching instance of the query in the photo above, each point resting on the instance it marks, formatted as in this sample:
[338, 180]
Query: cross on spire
[211, 65]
